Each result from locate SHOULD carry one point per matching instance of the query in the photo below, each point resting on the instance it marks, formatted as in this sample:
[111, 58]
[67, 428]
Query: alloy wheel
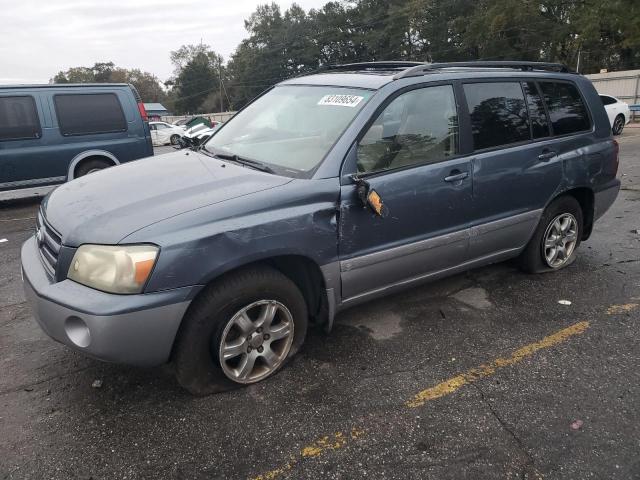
[618, 126]
[560, 240]
[256, 341]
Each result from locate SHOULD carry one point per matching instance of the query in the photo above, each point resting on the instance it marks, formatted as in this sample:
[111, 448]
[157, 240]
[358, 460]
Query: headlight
[113, 268]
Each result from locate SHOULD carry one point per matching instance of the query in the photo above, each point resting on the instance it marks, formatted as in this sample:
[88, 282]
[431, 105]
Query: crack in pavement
[530, 460]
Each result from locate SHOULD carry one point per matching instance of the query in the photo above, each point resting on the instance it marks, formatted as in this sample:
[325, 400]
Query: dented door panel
[425, 228]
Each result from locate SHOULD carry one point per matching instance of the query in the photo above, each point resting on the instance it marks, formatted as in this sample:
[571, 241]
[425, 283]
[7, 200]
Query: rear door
[102, 119]
[516, 164]
[409, 155]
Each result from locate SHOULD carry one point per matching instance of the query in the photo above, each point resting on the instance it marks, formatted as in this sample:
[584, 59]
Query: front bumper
[132, 329]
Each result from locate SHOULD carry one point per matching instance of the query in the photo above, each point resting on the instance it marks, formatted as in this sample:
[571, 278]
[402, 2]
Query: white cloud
[41, 37]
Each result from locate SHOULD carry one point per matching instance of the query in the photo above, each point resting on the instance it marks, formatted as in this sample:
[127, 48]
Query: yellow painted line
[626, 308]
[319, 447]
[449, 386]
[340, 439]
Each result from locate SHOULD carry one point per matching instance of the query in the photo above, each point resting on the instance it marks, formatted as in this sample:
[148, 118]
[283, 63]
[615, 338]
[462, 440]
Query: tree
[145, 83]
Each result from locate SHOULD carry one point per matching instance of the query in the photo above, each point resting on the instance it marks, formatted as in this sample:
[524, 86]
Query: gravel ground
[481, 375]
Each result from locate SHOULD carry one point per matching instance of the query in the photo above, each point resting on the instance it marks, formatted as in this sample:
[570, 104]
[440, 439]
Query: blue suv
[326, 191]
[50, 134]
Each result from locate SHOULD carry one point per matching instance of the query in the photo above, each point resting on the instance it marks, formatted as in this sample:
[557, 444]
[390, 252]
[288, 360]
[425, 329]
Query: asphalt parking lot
[482, 375]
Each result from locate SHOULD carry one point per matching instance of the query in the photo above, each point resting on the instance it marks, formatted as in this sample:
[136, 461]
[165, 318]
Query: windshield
[291, 127]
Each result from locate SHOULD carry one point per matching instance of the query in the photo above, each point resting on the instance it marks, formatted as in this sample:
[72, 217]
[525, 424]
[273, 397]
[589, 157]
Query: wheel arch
[301, 270]
[102, 154]
[586, 199]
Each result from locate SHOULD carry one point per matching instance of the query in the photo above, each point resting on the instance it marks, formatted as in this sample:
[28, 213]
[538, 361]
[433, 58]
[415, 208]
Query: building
[155, 110]
[624, 85]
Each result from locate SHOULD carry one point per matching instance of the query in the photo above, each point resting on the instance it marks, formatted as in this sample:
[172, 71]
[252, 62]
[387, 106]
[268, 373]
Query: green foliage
[146, 84]
[280, 45]
[197, 70]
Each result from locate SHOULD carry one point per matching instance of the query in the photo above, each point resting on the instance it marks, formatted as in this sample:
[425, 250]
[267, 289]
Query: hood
[106, 206]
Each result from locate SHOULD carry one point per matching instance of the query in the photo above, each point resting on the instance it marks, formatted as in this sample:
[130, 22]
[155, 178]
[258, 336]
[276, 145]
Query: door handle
[547, 155]
[456, 176]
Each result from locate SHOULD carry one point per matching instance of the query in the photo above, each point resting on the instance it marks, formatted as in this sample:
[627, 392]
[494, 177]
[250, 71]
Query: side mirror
[369, 197]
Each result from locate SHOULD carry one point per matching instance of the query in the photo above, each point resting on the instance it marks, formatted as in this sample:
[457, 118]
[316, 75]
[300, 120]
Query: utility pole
[220, 79]
[578, 64]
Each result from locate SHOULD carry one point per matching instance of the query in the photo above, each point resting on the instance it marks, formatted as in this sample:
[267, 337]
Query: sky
[42, 37]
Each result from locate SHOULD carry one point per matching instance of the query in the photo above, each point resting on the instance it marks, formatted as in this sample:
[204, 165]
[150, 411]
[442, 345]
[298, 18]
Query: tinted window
[498, 114]
[537, 114]
[18, 118]
[420, 126]
[606, 100]
[566, 109]
[89, 113]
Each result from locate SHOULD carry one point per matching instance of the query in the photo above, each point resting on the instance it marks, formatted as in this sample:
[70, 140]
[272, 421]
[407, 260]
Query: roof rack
[381, 65]
[423, 68]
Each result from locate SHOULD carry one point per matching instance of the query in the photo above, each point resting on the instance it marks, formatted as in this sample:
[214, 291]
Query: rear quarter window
[19, 118]
[567, 110]
[84, 114]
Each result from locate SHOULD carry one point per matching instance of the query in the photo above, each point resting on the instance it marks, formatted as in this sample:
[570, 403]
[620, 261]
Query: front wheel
[242, 329]
[556, 239]
[174, 139]
[618, 125]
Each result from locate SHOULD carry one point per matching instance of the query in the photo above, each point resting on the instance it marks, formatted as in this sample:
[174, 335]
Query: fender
[89, 153]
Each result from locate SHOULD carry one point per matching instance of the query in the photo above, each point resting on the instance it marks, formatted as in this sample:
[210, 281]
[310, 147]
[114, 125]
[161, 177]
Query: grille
[49, 242]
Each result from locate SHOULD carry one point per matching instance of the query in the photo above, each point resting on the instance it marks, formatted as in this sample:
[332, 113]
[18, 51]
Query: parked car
[163, 133]
[196, 136]
[181, 123]
[326, 191]
[50, 134]
[190, 122]
[618, 112]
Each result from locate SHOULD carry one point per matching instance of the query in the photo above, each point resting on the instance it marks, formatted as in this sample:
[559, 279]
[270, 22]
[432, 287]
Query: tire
[91, 165]
[534, 258]
[209, 325]
[174, 139]
[618, 125]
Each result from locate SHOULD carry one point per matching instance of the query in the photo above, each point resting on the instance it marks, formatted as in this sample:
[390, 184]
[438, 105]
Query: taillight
[143, 112]
[616, 152]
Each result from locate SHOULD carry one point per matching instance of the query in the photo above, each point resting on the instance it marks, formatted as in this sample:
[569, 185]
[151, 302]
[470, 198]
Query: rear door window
[566, 109]
[537, 113]
[84, 114]
[498, 114]
[19, 118]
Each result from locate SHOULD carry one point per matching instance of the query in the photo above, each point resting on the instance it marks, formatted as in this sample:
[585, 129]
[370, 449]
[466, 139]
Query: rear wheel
[618, 125]
[239, 331]
[556, 238]
[91, 165]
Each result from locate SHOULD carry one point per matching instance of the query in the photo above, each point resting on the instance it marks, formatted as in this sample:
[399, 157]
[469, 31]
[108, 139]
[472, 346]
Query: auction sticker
[338, 100]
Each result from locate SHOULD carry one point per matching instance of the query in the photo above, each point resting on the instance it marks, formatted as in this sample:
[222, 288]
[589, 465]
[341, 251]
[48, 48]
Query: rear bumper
[132, 329]
[603, 199]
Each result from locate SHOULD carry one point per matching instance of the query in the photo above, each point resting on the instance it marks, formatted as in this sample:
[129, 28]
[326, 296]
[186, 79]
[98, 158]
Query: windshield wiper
[241, 160]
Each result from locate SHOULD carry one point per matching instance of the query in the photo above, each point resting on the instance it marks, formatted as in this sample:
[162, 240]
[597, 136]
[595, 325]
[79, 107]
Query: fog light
[77, 331]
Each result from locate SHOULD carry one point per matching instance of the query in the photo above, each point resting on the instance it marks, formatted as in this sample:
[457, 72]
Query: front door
[409, 157]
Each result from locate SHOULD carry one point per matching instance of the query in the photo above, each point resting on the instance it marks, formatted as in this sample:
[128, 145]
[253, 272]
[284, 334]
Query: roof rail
[515, 65]
[381, 65]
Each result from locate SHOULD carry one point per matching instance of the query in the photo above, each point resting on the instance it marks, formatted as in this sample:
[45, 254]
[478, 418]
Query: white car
[618, 112]
[163, 133]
